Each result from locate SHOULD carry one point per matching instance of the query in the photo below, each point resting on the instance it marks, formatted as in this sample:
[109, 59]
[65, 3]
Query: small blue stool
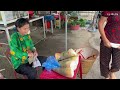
[49, 18]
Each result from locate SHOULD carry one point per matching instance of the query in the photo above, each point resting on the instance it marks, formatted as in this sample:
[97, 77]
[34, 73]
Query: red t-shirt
[112, 28]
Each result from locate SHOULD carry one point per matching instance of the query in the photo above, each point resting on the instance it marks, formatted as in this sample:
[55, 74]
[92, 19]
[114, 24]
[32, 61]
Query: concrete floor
[56, 43]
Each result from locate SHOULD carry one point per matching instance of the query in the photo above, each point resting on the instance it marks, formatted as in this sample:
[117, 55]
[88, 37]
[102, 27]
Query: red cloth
[31, 13]
[61, 16]
[53, 75]
[48, 24]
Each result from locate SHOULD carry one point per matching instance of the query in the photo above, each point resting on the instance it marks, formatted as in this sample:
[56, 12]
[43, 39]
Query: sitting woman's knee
[32, 75]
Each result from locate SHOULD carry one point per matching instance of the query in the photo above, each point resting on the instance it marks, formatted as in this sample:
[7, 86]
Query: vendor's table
[53, 75]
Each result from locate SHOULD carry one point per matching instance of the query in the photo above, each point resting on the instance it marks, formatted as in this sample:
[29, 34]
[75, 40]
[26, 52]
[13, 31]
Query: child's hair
[21, 22]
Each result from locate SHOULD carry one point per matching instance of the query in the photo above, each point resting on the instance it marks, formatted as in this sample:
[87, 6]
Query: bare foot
[112, 75]
[108, 77]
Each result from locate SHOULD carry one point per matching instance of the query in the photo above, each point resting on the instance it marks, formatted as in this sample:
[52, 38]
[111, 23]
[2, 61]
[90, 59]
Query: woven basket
[90, 55]
[87, 64]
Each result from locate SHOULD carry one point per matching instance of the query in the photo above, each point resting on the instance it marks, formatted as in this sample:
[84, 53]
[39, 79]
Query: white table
[6, 28]
[38, 18]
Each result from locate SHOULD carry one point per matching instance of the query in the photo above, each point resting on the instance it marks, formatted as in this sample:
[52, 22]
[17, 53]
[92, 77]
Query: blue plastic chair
[49, 18]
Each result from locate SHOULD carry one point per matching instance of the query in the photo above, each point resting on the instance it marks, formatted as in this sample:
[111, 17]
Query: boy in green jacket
[22, 48]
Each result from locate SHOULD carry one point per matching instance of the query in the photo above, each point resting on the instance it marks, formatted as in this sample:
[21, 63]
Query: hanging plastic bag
[51, 63]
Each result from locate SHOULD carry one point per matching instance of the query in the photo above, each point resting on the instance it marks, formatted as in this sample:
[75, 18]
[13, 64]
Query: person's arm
[32, 47]
[15, 51]
[101, 27]
[101, 24]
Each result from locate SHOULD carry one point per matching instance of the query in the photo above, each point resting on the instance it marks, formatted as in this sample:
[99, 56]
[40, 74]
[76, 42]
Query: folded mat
[65, 54]
[71, 62]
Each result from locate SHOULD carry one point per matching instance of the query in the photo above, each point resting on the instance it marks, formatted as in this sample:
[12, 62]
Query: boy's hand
[30, 53]
[35, 54]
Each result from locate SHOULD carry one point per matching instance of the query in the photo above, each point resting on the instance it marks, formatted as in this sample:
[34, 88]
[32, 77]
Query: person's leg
[115, 66]
[105, 57]
[42, 59]
[1, 76]
[27, 70]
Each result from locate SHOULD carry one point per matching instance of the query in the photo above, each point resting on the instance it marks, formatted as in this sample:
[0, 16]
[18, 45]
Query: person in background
[1, 31]
[110, 33]
[1, 76]
[22, 48]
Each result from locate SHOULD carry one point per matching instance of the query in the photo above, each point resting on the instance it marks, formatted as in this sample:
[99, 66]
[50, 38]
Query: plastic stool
[49, 18]
[58, 20]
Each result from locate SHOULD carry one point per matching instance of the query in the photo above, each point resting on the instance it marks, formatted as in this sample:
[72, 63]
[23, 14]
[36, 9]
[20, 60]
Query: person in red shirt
[110, 33]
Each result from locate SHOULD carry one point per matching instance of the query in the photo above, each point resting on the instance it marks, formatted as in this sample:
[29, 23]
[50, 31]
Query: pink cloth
[61, 16]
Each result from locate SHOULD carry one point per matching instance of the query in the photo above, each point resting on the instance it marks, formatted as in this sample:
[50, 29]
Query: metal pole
[51, 26]
[66, 30]
[7, 33]
[59, 21]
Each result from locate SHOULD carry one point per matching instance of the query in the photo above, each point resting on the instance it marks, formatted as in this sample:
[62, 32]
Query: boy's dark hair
[21, 22]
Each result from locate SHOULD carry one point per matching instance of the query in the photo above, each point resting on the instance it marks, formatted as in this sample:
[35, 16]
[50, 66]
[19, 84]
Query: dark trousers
[105, 58]
[28, 70]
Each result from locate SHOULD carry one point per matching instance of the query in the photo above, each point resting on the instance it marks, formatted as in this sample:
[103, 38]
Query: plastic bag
[36, 63]
[51, 63]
